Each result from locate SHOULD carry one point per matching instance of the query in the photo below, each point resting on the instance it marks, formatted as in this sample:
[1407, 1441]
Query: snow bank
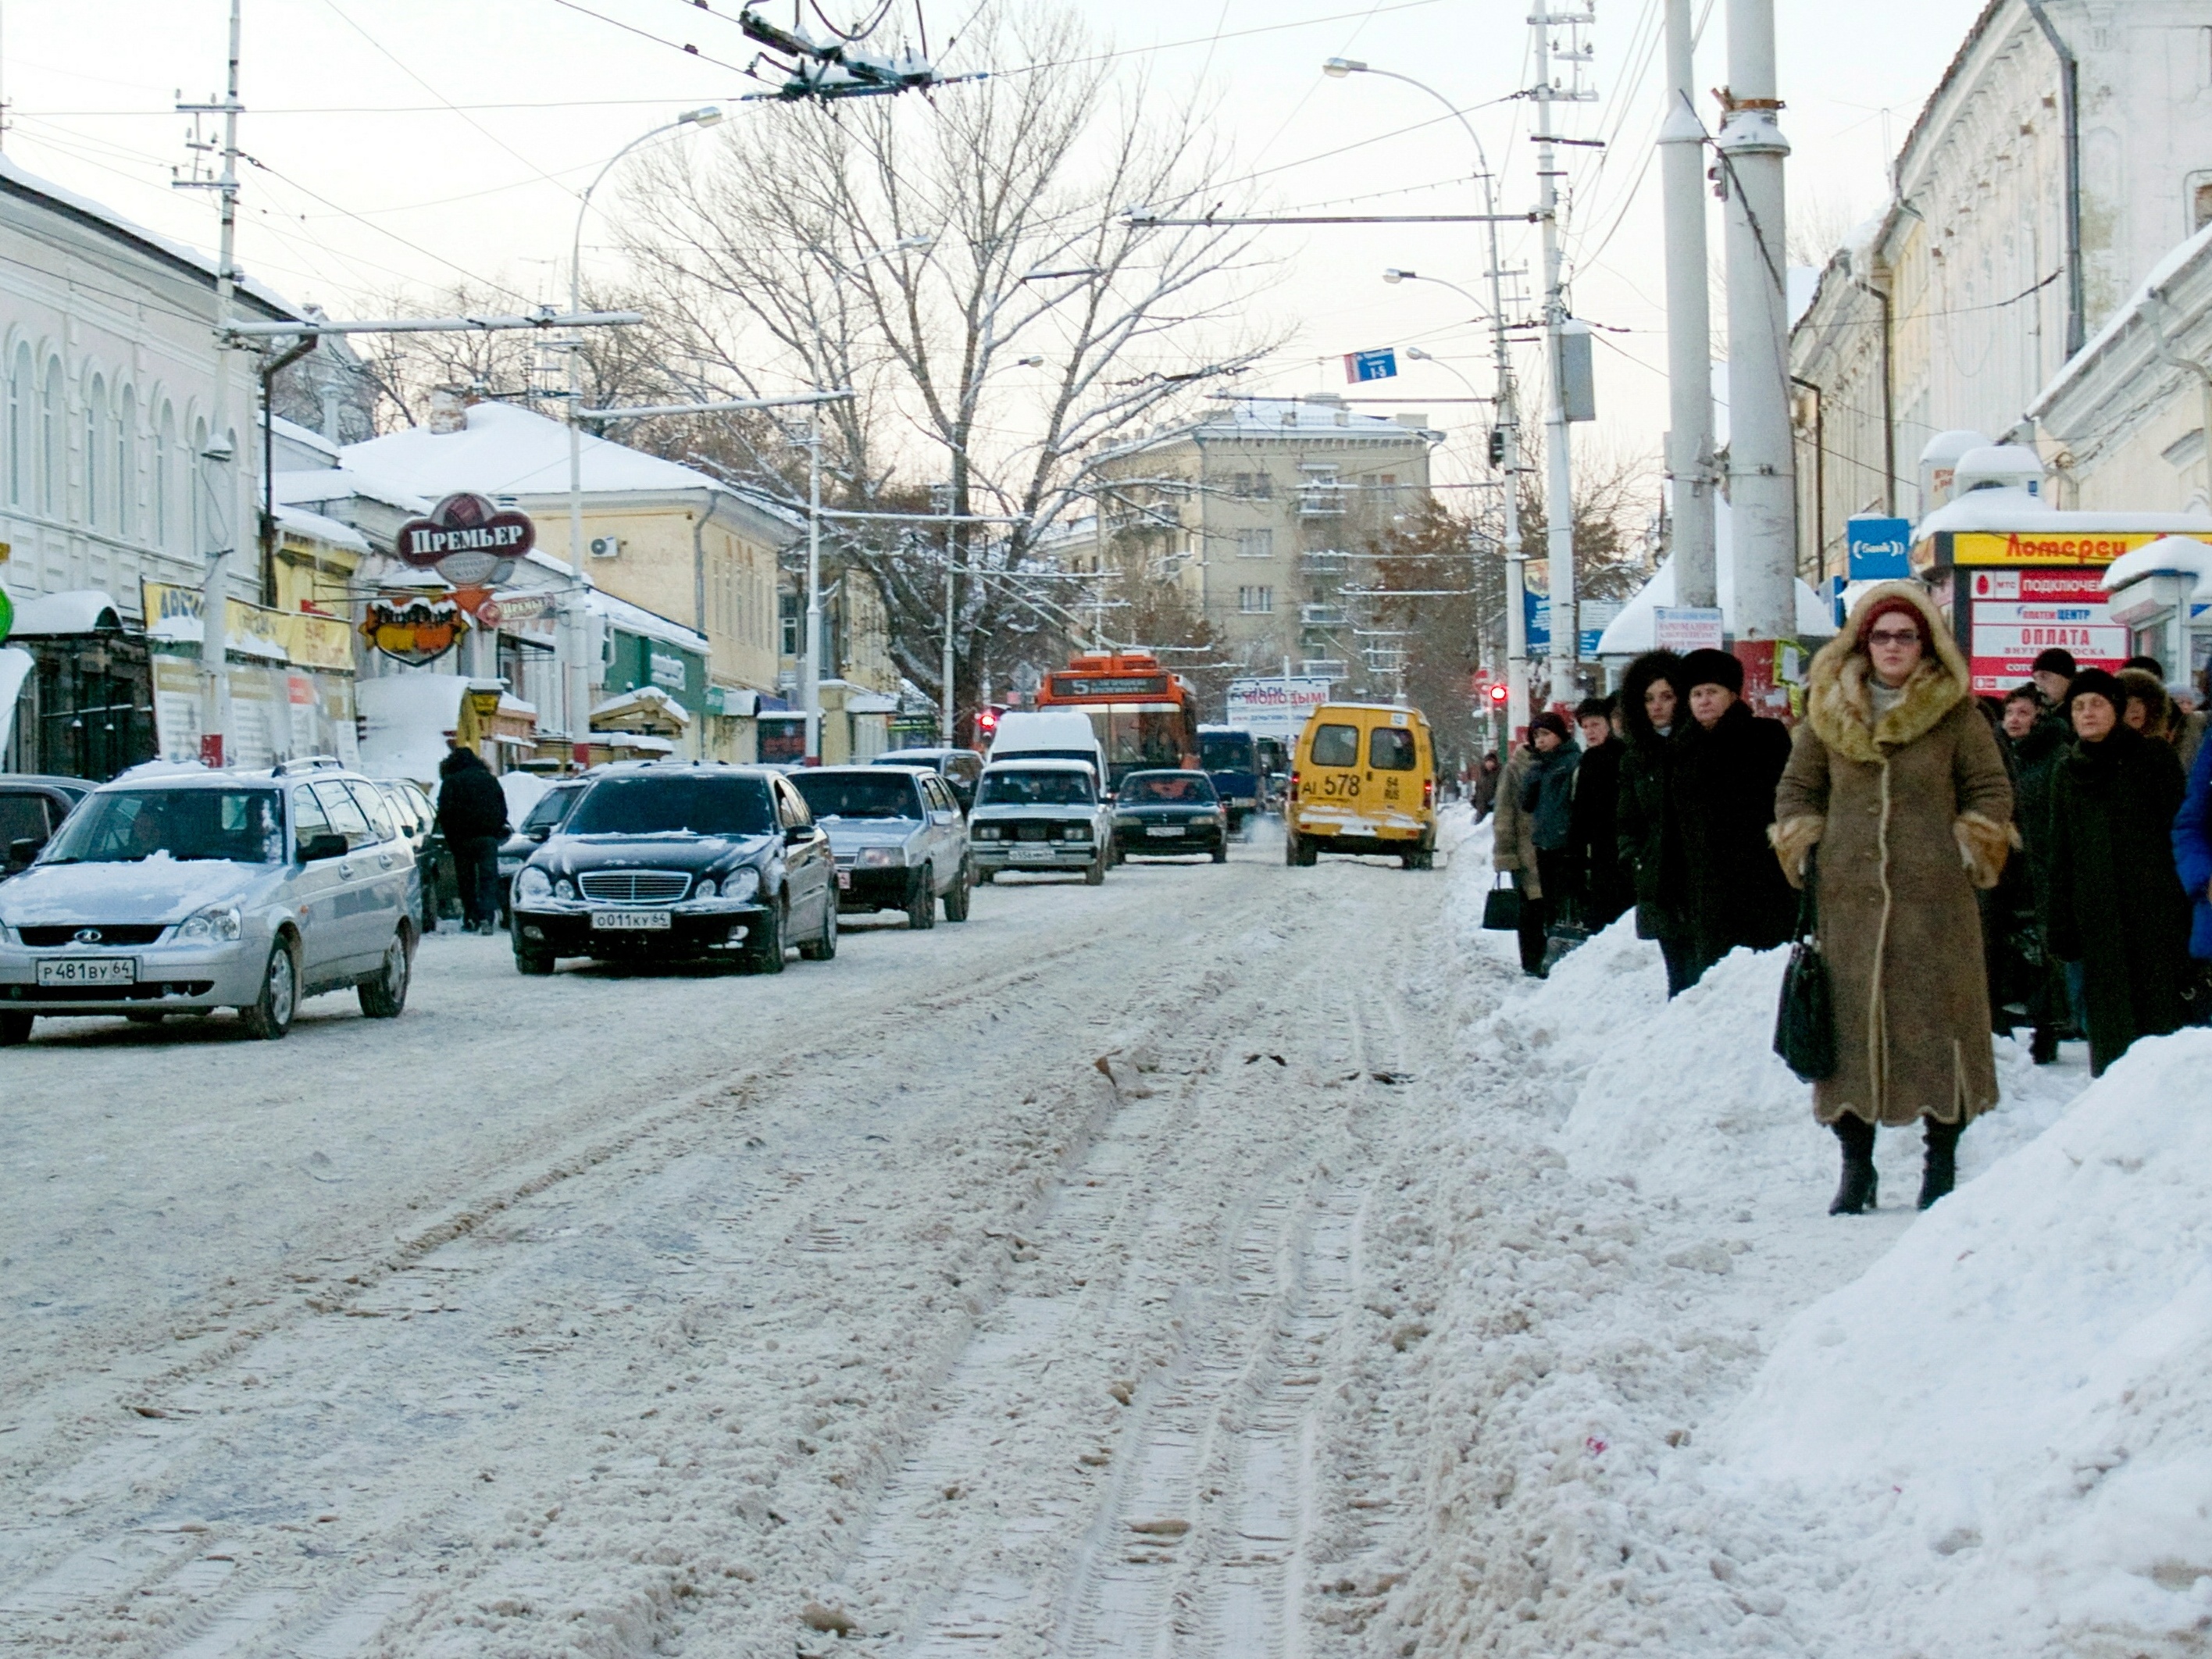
[2007, 1420]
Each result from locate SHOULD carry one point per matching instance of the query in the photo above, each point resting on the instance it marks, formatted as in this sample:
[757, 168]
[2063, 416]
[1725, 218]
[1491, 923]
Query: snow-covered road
[999, 1281]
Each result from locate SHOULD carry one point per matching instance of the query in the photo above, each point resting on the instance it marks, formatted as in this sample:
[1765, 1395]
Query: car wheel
[1221, 852]
[767, 942]
[534, 963]
[145, 1016]
[985, 878]
[270, 1015]
[955, 897]
[823, 946]
[1291, 848]
[383, 997]
[1094, 873]
[921, 900]
[15, 1028]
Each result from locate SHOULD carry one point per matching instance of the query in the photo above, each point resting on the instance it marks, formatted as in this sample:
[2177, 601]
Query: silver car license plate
[1027, 853]
[641, 922]
[1164, 829]
[90, 970]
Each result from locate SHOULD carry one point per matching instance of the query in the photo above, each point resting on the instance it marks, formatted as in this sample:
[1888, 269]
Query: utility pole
[1762, 460]
[221, 476]
[1558, 492]
[1689, 321]
[810, 663]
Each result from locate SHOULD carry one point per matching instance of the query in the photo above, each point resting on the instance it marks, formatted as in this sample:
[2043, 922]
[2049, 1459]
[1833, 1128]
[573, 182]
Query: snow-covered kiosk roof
[1635, 630]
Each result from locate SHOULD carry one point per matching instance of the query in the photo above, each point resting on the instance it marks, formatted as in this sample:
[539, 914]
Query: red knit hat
[1897, 603]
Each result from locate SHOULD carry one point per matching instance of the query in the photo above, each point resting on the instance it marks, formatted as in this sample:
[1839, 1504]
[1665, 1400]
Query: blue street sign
[1594, 615]
[1880, 548]
[1371, 364]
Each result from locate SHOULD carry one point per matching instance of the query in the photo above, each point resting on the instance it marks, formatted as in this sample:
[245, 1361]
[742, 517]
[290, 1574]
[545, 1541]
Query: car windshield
[1225, 751]
[1068, 788]
[552, 807]
[698, 806]
[122, 826]
[844, 795]
[1184, 789]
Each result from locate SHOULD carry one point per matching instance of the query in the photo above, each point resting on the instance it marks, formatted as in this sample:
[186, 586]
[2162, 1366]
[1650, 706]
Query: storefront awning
[83, 611]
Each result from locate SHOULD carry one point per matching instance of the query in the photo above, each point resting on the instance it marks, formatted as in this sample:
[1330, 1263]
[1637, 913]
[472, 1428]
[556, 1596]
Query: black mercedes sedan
[1159, 813]
[680, 860]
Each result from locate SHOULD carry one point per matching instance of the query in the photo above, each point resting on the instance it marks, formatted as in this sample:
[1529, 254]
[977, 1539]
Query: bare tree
[964, 264]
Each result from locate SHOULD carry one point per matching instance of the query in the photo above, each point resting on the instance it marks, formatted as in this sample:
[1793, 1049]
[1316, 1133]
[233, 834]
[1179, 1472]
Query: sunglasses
[1894, 636]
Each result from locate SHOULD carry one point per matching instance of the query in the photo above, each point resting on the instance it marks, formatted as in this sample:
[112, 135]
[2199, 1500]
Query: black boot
[2043, 1047]
[1942, 1173]
[1855, 1194]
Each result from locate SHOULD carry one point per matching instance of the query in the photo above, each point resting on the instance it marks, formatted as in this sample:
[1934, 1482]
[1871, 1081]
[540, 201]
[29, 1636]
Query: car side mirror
[328, 845]
[541, 834]
[21, 852]
[941, 816]
[793, 833]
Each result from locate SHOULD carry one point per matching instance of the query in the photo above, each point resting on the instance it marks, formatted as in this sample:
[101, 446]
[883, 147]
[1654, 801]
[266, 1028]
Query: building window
[789, 607]
[1255, 544]
[1255, 601]
[165, 465]
[19, 426]
[2200, 202]
[95, 435]
[126, 459]
[51, 444]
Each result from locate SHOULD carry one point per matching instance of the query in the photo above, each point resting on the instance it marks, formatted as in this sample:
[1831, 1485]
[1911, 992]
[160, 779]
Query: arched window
[164, 482]
[19, 426]
[126, 460]
[52, 449]
[95, 445]
[203, 486]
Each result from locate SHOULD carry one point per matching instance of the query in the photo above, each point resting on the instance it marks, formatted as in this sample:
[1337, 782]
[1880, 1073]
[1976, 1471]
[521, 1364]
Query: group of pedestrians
[1973, 865]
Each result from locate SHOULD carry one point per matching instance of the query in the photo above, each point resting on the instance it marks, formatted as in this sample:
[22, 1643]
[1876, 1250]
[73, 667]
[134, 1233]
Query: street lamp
[577, 700]
[1517, 626]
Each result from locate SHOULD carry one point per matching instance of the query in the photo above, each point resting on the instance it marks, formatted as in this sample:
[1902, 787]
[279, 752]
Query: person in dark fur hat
[1654, 706]
[1724, 777]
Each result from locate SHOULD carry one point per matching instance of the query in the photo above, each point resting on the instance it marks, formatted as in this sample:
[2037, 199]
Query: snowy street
[1233, 1261]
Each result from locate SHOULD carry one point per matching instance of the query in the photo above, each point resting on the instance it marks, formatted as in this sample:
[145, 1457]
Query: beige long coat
[1911, 814]
[1512, 831]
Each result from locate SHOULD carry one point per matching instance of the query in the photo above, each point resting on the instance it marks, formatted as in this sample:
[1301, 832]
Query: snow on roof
[337, 483]
[506, 451]
[2002, 508]
[300, 522]
[306, 437]
[641, 697]
[636, 619]
[81, 611]
[184, 629]
[2177, 260]
[15, 180]
[1634, 631]
[2174, 554]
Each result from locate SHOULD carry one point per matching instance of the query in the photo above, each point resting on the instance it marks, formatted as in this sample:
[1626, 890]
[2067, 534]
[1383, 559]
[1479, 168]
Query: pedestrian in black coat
[472, 818]
[2117, 903]
[1724, 779]
[2032, 745]
[1608, 889]
[1654, 707]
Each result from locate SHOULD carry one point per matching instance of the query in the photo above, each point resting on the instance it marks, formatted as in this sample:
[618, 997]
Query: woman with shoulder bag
[1895, 777]
[1653, 702]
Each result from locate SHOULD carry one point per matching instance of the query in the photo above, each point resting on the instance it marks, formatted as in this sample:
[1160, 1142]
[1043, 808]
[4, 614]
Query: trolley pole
[1689, 321]
[1559, 493]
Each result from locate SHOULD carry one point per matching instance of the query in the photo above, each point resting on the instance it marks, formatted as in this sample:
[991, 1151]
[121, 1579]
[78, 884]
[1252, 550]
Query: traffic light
[1499, 693]
[1498, 446]
[986, 721]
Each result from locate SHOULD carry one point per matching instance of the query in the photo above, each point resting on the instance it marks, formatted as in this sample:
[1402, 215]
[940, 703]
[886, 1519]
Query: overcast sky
[419, 141]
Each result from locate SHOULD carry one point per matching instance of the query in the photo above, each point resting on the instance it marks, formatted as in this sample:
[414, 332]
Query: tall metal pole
[1559, 485]
[945, 705]
[809, 662]
[1689, 321]
[1762, 458]
[220, 461]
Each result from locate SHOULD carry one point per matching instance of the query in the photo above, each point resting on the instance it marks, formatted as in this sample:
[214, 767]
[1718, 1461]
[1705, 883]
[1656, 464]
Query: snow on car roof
[1050, 763]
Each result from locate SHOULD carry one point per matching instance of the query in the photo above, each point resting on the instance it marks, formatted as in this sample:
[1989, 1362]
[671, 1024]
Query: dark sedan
[680, 861]
[1158, 814]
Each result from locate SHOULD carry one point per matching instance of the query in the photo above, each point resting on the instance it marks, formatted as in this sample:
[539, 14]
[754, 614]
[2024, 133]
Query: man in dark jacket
[1606, 889]
[1654, 706]
[472, 817]
[1723, 783]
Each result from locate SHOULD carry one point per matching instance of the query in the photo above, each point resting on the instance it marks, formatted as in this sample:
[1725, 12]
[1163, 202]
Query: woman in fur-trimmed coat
[1896, 779]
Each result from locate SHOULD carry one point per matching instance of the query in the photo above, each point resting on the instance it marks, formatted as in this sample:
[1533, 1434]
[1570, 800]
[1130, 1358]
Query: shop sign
[2018, 547]
[467, 540]
[665, 671]
[304, 640]
[2017, 615]
[484, 705]
[415, 631]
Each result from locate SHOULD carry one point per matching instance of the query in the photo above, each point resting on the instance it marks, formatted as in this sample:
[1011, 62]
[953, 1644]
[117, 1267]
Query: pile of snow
[2007, 1422]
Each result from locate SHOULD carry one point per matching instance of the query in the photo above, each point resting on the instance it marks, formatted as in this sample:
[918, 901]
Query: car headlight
[741, 884]
[1076, 832]
[882, 857]
[563, 888]
[707, 888]
[987, 832]
[219, 924]
[533, 884]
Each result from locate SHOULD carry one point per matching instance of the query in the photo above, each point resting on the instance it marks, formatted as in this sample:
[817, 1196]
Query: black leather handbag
[1805, 1023]
[1501, 910]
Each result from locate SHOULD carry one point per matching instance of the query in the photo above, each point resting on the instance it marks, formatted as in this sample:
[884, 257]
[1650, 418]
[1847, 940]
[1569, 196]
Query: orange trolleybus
[1146, 716]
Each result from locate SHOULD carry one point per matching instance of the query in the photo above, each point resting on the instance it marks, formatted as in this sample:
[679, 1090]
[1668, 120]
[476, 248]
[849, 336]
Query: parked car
[416, 819]
[959, 768]
[899, 836]
[550, 810]
[1164, 813]
[680, 860]
[203, 890]
[1040, 815]
[31, 807]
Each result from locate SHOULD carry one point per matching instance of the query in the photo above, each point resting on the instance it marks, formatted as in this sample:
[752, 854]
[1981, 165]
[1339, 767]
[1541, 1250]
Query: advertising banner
[2014, 615]
[176, 707]
[2023, 547]
[1686, 627]
[1275, 707]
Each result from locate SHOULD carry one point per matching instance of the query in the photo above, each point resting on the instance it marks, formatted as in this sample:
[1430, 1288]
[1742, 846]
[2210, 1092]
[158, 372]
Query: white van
[1049, 734]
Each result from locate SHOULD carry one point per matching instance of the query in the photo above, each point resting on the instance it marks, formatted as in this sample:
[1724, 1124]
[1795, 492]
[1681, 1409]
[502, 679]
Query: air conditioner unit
[606, 547]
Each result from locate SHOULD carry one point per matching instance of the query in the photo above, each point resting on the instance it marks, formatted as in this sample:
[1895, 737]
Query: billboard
[1277, 706]
[2015, 614]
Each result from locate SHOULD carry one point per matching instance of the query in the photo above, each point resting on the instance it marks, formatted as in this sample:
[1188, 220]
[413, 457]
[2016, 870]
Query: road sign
[1371, 364]
[1594, 616]
[1880, 548]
